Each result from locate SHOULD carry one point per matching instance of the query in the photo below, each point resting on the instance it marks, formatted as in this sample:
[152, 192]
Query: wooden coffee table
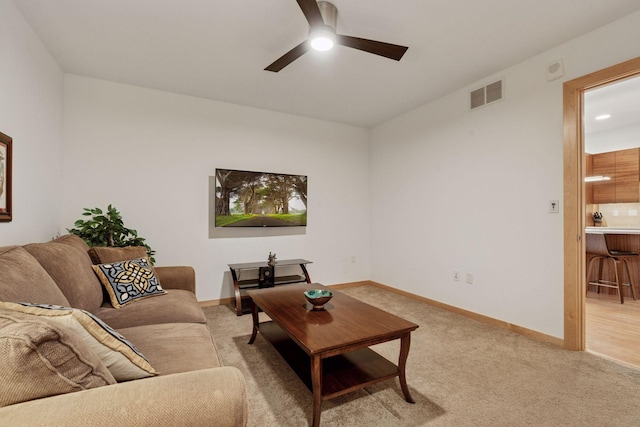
[328, 349]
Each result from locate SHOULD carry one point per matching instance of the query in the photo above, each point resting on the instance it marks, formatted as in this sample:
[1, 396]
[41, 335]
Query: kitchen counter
[612, 230]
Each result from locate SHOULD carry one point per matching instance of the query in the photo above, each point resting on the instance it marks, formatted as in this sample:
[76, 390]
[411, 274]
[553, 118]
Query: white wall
[151, 154]
[450, 189]
[459, 190]
[31, 113]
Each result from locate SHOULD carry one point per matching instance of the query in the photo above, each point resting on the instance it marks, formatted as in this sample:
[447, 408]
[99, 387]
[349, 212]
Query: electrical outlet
[456, 276]
[554, 206]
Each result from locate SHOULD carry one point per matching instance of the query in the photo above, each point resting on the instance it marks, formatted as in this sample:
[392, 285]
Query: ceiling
[621, 130]
[218, 49]
[620, 100]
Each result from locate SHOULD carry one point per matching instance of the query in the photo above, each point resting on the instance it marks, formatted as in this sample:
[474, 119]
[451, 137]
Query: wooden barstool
[597, 246]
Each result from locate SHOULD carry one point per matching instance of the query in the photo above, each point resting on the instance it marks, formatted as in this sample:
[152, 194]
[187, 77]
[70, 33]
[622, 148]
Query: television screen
[260, 199]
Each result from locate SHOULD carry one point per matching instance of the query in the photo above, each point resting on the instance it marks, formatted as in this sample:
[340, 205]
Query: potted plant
[107, 229]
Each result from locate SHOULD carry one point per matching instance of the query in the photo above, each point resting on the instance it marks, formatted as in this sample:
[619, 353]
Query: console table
[241, 286]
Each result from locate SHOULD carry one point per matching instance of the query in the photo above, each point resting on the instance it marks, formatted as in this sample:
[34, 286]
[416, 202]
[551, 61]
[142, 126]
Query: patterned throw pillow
[121, 357]
[128, 281]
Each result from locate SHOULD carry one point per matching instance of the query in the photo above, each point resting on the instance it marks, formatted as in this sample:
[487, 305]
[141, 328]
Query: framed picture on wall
[260, 199]
[5, 177]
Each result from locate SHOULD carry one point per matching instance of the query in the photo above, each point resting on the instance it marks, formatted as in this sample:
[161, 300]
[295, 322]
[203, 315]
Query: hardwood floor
[613, 329]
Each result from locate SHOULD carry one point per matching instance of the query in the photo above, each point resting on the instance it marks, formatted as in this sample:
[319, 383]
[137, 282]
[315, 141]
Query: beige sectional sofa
[189, 386]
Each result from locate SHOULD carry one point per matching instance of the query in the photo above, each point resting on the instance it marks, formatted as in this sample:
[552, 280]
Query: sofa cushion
[129, 281]
[22, 278]
[177, 277]
[175, 347]
[105, 255]
[39, 359]
[72, 240]
[70, 268]
[177, 306]
[123, 360]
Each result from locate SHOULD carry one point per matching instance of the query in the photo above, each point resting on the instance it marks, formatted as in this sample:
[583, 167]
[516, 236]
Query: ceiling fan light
[322, 43]
[322, 39]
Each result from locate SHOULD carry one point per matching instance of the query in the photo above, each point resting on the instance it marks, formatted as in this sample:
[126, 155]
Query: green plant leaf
[107, 229]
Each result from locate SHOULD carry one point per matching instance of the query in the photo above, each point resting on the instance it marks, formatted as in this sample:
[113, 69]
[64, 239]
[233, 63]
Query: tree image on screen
[260, 199]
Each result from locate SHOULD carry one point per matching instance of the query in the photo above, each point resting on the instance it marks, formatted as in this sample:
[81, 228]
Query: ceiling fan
[322, 17]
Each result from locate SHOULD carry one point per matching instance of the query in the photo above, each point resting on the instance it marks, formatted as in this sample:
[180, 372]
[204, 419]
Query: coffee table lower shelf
[341, 374]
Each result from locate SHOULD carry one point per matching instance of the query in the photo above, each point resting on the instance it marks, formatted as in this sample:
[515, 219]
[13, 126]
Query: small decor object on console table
[266, 275]
[271, 260]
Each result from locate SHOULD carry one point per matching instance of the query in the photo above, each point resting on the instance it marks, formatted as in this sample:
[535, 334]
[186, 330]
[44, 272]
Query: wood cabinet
[628, 176]
[604, 164]
[589, 185]
[623, 167]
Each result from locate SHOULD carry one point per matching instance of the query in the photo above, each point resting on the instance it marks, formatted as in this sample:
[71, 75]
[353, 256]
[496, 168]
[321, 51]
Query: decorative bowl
[318, 297]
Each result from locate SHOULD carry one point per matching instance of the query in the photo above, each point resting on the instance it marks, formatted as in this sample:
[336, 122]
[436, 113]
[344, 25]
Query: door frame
[574, 196]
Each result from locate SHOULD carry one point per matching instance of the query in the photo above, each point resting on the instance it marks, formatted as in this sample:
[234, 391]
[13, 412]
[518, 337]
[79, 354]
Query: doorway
[574, 196]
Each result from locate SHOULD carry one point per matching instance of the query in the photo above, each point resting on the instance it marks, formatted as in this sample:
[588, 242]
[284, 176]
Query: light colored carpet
[460, 372]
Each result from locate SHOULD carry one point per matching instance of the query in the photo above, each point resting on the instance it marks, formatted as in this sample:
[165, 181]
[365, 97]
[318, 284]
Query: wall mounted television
[260, 199]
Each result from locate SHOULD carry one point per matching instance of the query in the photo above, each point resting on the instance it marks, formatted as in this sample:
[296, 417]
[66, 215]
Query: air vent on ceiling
[486, 95]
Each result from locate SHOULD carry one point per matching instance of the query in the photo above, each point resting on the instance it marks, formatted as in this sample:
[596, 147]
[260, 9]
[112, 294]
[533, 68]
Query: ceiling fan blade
[311, 12]
[288, 57]
[388, 50]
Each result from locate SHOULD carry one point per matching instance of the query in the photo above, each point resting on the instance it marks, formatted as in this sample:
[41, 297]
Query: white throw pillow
[120, 356]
